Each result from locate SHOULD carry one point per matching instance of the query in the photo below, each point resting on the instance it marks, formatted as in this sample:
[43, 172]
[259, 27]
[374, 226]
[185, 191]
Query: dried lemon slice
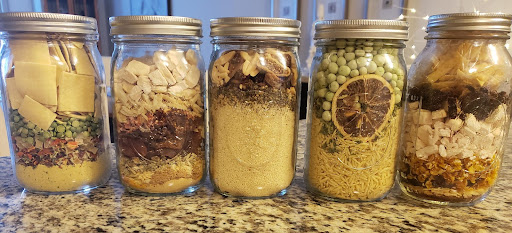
[362, 106]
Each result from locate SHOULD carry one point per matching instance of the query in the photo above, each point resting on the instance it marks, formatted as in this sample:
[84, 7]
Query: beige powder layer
[253, 148]
[65, 178]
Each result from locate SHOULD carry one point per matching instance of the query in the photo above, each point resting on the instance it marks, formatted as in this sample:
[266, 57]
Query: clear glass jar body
[253, 91]
[55, 110]
[159, 113]
[354, 118]
[457, 119]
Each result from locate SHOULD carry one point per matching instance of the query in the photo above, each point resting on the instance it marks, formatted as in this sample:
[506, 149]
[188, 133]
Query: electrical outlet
[387, 4]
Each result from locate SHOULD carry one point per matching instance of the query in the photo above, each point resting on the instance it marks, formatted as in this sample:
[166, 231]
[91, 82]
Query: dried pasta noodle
[357, 170]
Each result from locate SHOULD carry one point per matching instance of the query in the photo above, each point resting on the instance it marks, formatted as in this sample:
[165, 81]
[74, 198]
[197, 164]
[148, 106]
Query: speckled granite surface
[111, 209]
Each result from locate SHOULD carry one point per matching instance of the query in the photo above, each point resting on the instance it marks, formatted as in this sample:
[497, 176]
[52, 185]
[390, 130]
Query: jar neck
[164, 39]
[466, 34]
[49, 36]
[263, 40]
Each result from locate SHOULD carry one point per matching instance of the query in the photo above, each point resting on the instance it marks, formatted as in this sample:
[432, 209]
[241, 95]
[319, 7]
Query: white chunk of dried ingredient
[439, 114]
[425, 117]
[127, 87]
[472, 123]
[427, 151]
[178, 88]
[176, 56]
[454, 124]
[159, 89]
[138, 68]
[413, 105]
[192, 77]
[157, 78]
[127, 75]
[191, 57]
[442, 151]
[145, 84]
[135, 93]
[166, 73]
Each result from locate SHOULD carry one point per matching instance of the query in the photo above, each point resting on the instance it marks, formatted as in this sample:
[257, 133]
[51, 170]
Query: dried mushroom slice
[362, 106]
[271, 64]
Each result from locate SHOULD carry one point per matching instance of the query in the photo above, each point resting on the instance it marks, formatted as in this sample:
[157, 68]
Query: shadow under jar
[158, 83]
[53, 96]
[355, 108]
[458, 110]
[253, 105]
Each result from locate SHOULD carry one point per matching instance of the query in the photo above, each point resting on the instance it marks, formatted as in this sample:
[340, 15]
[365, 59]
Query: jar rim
[47, 22]
[362, 28]
[155, 25]
[255, 26]
[470, 21]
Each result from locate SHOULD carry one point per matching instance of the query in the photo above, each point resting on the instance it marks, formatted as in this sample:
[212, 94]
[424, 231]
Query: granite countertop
[111, 209]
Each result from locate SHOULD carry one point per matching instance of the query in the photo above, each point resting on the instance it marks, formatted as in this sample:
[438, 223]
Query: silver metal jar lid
[255, 26]
[362, 28]
[155, 25]
[499, 22]
[47, 22]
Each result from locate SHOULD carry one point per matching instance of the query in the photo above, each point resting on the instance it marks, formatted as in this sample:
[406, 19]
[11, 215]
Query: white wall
[17, 5]
[208, 9]
[418, 10]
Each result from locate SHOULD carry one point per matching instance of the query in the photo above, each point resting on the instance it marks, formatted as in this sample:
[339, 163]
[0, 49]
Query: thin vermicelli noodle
[356, 170]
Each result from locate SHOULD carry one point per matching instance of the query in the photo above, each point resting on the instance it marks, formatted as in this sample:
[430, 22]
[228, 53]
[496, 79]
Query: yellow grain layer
[65, 178]
[253, 148]
[172, 186]
[358, 171]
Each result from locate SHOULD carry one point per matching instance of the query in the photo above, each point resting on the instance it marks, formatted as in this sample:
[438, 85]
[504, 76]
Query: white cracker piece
[192, 77]
[182, 69]
[159, 89]
[138, 68]
[157, 78]
[191, 57]
[127, 87]
[126, 75]
[165, 72]
[178, 88]
[145, 84]
[176, 56]
[135, 94]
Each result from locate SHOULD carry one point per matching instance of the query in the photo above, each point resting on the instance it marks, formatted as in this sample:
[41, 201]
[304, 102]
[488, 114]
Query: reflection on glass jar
[355, 108]
[458, 109]
[253, 106]
[54, 102]
[159, 113]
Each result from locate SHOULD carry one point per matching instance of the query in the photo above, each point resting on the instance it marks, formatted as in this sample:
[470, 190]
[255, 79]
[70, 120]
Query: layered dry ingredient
[160, 124]
[55, 115]
[253, 104]
[456, 122]
[356, 119]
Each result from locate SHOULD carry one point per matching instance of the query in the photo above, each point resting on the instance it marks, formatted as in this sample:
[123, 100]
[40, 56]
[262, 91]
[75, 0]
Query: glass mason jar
[157, 73]
[55, 101]
[355, 108]
[253, 91]
[458, 109]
